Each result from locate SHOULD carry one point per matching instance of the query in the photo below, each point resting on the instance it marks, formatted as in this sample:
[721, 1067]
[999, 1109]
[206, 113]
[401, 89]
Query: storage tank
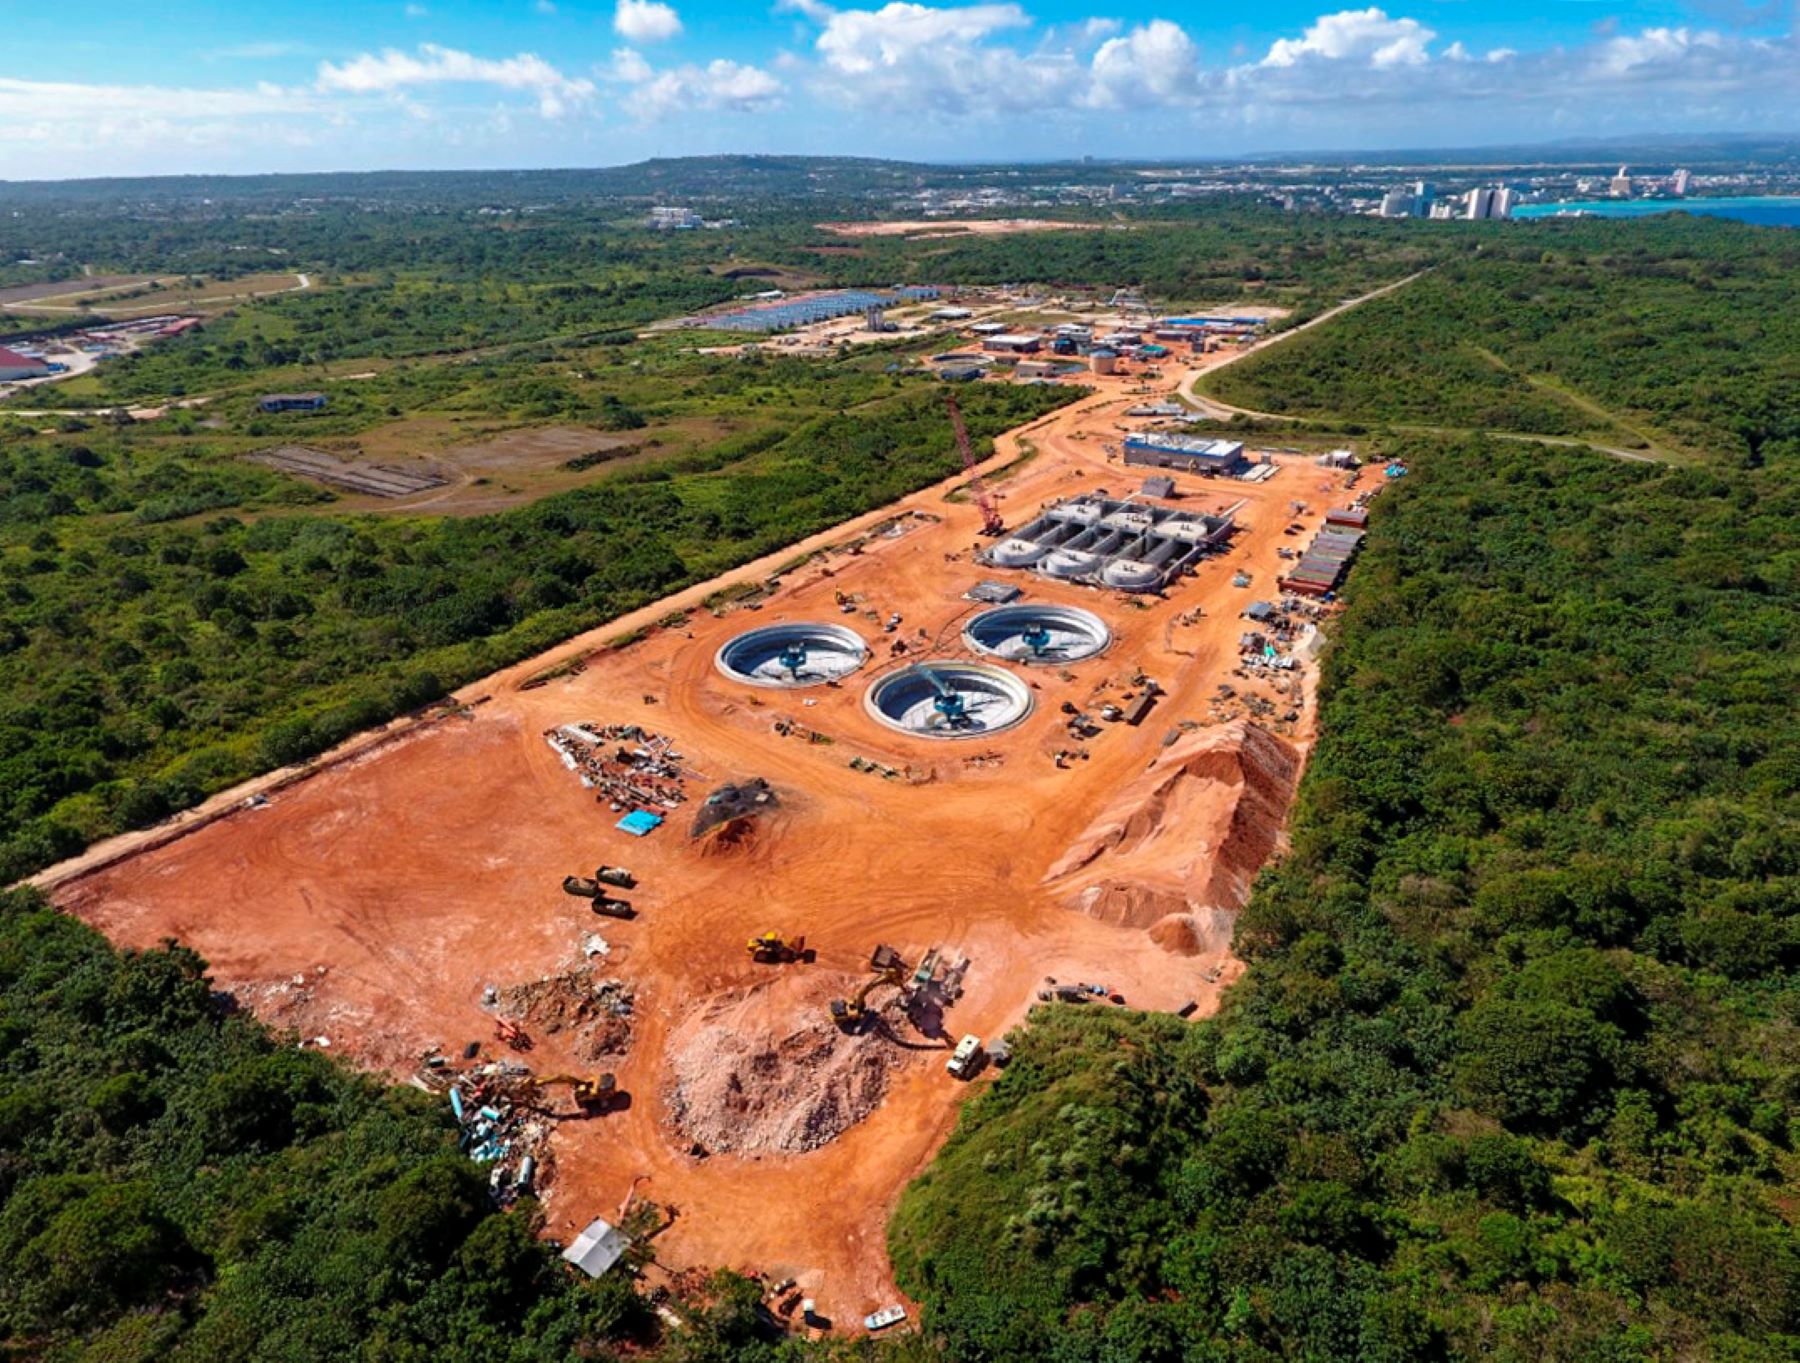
[1104, 361]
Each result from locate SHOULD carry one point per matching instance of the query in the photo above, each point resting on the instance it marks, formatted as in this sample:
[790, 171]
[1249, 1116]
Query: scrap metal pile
[625, 765]
[498, 1126]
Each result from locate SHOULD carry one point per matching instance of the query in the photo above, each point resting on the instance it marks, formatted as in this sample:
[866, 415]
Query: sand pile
[597, 1011]
[1181, 845]
[765, 1070]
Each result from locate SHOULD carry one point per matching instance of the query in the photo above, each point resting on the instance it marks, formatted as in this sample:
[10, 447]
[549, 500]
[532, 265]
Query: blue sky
[258, 85]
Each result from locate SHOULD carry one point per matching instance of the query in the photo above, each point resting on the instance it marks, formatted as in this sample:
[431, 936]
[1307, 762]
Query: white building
[1679, 185]
[1396, 203]
[1620, 188]
[1479, 204]
[673, 219]
[1505, 199]
[16, 366]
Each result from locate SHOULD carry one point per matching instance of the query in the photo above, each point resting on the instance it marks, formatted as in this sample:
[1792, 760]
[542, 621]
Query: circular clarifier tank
[949, 700]
[1037, 634]
[799, 653]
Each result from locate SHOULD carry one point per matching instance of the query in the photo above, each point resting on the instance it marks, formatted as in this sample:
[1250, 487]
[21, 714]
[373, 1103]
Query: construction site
[726, 907]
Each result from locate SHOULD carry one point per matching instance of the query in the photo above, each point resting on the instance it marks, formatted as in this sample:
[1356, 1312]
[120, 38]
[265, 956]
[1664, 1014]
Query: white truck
[961, 1063]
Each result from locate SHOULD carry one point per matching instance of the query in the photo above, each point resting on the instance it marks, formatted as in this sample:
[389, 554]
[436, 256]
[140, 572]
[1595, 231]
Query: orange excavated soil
[371, 906]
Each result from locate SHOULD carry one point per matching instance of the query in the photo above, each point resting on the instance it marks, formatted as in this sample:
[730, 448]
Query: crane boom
[991, 524]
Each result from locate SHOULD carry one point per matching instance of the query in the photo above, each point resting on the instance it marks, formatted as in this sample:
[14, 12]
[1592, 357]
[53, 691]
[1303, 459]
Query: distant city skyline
[274, 85]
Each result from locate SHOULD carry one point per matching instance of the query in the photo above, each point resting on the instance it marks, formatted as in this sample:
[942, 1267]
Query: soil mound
[733, 835]
[1186, 839]
[1194, 934]
[765, 1070]
[597, 1011]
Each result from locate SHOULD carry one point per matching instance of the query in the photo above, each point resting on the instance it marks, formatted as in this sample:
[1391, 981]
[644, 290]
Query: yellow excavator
[849, 1013]
[773, 949]
[594, 1092]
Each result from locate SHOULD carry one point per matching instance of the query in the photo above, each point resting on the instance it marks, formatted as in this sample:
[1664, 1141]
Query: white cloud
[392, 71]
[646, 21]
[416, 11]
[859, 41]
[1156, 64]
[1367, 36]
[545, 6]
[719, 85]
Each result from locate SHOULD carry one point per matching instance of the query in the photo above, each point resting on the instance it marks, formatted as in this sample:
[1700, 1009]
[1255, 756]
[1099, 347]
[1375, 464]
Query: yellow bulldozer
[771, 948]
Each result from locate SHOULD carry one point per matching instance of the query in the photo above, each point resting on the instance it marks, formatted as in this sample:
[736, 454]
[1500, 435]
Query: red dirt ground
[397, 884]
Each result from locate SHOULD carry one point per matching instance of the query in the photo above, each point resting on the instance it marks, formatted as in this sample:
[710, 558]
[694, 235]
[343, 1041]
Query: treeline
[1688, 328]
[1514, 1071]
[145, 665]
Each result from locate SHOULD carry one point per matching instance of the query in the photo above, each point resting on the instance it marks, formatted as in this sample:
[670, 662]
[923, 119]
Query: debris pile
[597, 1011]
[496, 1127]
[734, 802]
[765, 1070]
[626, 765]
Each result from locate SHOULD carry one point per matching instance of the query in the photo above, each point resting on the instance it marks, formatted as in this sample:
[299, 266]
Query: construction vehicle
[849, 1013]
[991, 524]
[593, 1092]
[962, 1061]
[771, 948]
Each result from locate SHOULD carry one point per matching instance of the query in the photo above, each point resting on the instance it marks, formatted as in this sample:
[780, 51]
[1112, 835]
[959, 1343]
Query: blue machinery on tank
[1037, 639]
[793, 657]
[952, 709]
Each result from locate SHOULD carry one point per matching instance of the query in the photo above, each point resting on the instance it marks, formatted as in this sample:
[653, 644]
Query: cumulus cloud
[1356, 35]
[392, 71]
[1155, 64]
[719, 85]
[646, 21]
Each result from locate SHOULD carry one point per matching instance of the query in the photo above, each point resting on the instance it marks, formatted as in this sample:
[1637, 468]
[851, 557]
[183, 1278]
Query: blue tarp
[640, 821]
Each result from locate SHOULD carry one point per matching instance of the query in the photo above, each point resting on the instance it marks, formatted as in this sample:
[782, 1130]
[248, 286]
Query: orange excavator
[771, 948]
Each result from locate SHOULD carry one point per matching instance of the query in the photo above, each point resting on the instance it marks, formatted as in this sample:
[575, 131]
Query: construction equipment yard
[772, 1095]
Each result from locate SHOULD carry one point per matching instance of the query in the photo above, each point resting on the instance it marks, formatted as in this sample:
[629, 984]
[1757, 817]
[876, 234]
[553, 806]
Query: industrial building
[1126, 545]
[1014, 343]
[786, 313]
[13, 365]
[1191, 454]
[293, 402]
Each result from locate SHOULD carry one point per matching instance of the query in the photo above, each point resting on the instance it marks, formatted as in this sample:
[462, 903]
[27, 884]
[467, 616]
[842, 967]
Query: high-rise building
[1422, 197]
[1396, 203]
[1503, 201]
[1679, 185]
[1621, 184]
[1480, 204]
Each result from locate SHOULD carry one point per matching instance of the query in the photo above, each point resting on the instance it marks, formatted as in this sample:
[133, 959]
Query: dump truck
[962, 1061]
[771, 948]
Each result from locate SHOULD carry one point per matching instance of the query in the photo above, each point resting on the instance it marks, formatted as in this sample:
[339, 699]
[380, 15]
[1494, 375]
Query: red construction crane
[991, 524]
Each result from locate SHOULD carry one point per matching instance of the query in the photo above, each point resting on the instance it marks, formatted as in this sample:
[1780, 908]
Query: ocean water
[1765, 210]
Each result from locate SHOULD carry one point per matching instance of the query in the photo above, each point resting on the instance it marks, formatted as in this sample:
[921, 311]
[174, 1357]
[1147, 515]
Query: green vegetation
[1682, 332]
[1514, 1071]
